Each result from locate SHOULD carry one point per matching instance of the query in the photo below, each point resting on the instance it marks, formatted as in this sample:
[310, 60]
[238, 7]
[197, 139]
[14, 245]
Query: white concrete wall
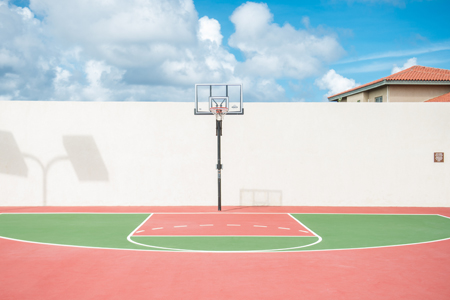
[161, 154]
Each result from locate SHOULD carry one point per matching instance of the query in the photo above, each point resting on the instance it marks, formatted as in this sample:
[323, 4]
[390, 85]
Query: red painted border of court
[231, 209]
[34, 271]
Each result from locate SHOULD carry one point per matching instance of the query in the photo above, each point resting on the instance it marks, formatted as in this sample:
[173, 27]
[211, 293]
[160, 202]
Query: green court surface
[333, 232]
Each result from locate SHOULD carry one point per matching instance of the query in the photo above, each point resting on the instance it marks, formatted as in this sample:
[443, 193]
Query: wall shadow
[82, 153]
[85, 158]
[11, 159]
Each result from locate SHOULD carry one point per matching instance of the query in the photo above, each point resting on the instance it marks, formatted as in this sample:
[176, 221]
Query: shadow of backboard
[260, 198]
[85, 158]
[11, 159]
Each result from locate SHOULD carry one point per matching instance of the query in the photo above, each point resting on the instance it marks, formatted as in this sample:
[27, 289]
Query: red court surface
[35, 271]
[224, 224]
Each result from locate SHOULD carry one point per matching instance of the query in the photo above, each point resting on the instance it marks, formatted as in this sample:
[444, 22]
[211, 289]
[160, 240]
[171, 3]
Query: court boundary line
[150, 250]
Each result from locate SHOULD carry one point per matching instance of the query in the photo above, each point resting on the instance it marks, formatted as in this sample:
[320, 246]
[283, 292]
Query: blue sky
[156, 50]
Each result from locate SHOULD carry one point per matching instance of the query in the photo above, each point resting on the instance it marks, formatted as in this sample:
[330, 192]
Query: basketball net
[219, 112]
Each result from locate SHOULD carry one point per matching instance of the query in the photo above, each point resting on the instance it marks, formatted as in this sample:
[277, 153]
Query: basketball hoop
[219, 100]
[219, 112]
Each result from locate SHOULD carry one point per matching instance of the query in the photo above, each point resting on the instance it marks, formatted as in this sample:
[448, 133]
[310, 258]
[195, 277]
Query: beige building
[415, 84]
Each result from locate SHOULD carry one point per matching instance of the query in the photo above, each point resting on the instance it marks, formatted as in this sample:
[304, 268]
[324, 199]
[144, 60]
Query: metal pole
[219, 164]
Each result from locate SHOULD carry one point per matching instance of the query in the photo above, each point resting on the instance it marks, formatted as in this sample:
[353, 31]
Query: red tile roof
[442, 98]
[419, 73]
[415, 73]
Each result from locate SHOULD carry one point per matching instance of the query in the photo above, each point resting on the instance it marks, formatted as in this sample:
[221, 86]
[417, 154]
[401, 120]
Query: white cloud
[273, 51]
[8, 59]
[98, 74]
[119, 22]
[335, 83]
[131, 34]
[22, 49]
[156, 42]
[408, 64]
[150, 43]
[149, 50]
[209, 29]
[263, 90]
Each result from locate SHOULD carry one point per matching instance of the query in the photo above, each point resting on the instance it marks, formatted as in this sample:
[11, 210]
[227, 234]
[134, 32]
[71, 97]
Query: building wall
[416, 93]
[361, 97]
[369, 96]
[75, 153]
[381, 91]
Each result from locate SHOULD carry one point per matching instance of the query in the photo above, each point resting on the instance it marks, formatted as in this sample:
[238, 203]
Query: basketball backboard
[218, 95]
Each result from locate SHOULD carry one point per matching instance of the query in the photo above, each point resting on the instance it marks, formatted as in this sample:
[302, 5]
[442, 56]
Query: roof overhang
[386, 82]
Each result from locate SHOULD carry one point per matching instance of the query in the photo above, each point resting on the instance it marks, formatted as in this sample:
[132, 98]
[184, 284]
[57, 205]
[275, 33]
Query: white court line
[283, 250]
[157, 228]
[157, 249]
[206, 225]
[258, 251]
[318, 236]
[190, 235]
[177, 226]
[279, 213]
[77, 213]
[145, 245]
[140, 231]
[128, 238]
[304, 231]
[260, 226]
[233, 225]
[284, 228]
[183, 250]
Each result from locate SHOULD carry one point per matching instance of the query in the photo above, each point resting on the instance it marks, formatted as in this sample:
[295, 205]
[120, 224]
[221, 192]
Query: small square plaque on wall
[438, 157]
